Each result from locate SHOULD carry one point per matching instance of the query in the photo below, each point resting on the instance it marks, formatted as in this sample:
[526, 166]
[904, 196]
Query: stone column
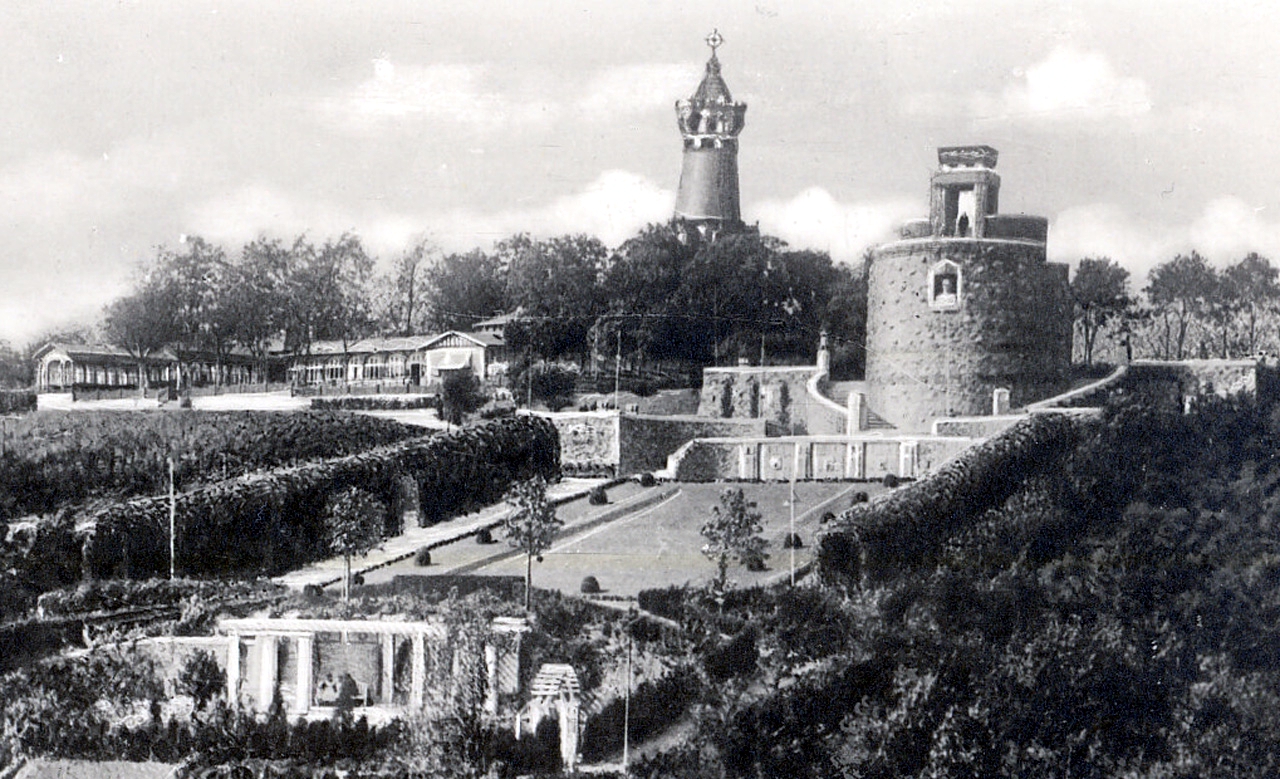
[419, 670]
[233, 670]
[569, 734]
[857, 407]
[302, 695]
[388, 642]
[491, 677]
[1000, 401]
[267, 663]
[856, 460]
[907, 451]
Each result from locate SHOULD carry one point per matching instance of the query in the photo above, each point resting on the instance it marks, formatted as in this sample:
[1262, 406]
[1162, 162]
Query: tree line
[654, 300]
[1188, 309]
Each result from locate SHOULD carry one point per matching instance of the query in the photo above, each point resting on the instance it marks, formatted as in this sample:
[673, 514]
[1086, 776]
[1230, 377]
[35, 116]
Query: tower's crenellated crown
[709, 117]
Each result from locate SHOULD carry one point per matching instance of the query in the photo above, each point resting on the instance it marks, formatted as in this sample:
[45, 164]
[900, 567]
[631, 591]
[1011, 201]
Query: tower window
[944, 286]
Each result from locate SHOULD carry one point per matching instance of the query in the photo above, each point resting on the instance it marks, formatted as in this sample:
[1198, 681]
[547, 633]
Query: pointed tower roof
[712, 89]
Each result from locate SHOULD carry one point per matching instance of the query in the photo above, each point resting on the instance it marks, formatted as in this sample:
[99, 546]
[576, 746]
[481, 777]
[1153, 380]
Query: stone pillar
[233, 670]
[388, 643]
[267, 666]
[907, 456]
[857, 406]
[302, 695]
[491, 678]
[419, 675]
[1000, 401]
[855, 466]
[569, 734]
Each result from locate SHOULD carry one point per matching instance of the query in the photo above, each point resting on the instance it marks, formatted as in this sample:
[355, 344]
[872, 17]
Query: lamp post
[172, 522]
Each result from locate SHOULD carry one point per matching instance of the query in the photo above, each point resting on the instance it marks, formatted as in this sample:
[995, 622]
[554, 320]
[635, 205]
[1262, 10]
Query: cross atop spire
[715, 40]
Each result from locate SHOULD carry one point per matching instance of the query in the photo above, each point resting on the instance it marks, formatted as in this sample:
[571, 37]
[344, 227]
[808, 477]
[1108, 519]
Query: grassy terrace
[655, 546]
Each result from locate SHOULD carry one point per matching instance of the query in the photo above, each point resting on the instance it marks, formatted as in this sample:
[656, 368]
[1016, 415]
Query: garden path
[406, 544]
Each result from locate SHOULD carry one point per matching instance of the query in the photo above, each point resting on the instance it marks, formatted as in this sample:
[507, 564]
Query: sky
[1140, 129]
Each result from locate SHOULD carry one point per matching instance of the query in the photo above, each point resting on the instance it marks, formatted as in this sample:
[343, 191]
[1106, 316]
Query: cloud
[628, 90]
[1067, 87]
[454, 93]
[1225, 231]
[814, 219]
[613, 207]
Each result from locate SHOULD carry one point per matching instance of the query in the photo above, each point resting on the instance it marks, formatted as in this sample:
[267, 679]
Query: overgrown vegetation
[52, 458]
[1113, 616]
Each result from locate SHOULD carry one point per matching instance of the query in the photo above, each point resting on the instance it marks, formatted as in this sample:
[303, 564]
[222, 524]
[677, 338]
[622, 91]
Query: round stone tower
[710, 121]
[965, 304]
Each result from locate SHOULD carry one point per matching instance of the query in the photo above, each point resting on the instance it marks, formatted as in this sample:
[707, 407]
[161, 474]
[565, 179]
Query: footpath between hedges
[407, 544]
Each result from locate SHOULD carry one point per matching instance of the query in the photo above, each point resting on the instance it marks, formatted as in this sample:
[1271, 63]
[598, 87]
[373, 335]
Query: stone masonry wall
[778, 395]
[1012, 329]
[650, 439]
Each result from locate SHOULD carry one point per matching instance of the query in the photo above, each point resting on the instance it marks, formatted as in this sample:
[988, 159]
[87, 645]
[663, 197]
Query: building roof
[712, 89]
[479, 339]
[501, 320]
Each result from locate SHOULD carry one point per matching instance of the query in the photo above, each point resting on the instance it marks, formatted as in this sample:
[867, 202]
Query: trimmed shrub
[666, 602]
[17, 401]
[485, 536]
[793, 541]
[891, 481]
[826, 517]
[56, 458]
[273, 522]
[423, 557]
[647, 480]
[357, 580]
[597, 496]
[755, 563]
[859, 497]
[590, 586]
[905, 527]
[374, 403]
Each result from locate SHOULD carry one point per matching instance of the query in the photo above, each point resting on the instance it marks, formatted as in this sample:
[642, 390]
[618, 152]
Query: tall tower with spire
[709, 124]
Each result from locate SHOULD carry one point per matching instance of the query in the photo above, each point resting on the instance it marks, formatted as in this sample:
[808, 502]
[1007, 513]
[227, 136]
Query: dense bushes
[655, 706]
[55, 458]
[906, 526]
[116, 595]
[375, 403]
[268, 523]
[17, 401]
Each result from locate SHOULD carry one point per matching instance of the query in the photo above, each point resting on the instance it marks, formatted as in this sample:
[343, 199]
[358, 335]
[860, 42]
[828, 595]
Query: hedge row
[904, 527]
[116, 595]
[270, 523]
[57, 458]
[17, 401]
[374, 403]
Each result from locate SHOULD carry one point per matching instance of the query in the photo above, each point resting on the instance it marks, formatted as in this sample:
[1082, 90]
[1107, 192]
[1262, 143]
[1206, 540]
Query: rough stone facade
[777, 395]
[965, 304]
[651, 439]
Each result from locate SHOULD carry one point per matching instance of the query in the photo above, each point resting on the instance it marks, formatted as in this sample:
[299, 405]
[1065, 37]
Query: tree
[15, 367]
[461, 289]
[404, 289]
[353, 521]
[548, 383]
[532, 524]
[846, 321]
[1180, 290]
[1252, 291]
[328, 292]
[733, 532]
[459, 395]
[1100, 290]
[202, 678]
[555, 283]
[141, 323]
[260, 300]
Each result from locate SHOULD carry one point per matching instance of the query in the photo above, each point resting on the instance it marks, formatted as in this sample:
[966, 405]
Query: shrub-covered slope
[53, 458]
[1117, 615]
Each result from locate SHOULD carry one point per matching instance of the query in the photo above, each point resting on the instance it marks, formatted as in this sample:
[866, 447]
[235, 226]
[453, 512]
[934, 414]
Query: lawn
[659, 545]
